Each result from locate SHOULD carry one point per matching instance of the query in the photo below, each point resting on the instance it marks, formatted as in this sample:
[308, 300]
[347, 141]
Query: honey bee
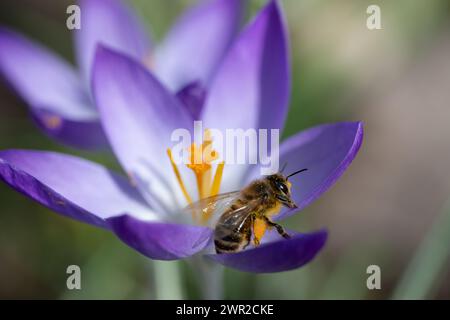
[246, 213]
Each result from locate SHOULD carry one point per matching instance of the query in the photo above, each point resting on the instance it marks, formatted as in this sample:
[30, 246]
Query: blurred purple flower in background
[138, 114]
[59, 95]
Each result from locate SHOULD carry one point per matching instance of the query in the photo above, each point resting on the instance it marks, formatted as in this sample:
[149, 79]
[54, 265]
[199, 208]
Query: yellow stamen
[217, 179]
[206, 182]
[199, 179]
[200, 160]
[214, 191]
[178, 176]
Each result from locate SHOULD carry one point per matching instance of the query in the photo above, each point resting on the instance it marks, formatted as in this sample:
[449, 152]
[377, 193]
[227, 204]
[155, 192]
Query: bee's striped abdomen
[227, 240]
[232, 237]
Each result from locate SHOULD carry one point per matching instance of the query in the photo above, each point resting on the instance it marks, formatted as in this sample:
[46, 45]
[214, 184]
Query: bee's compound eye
[282, 187]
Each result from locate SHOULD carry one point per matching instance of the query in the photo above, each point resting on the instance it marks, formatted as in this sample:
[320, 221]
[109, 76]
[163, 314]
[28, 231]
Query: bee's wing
[236, 219]
[212, 207]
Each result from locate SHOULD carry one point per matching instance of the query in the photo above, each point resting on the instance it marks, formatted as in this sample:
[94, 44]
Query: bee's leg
[248, 237]
[279, 228]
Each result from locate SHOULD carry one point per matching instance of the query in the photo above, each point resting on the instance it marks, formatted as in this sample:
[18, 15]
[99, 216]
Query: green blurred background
[388, 209]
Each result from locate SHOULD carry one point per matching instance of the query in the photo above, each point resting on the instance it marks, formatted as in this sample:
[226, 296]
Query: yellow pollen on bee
[259, 229]
[275, 210]
[201, 158]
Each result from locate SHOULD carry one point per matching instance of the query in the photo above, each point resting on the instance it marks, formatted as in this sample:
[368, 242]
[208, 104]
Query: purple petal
[276, 256]
[47, 82]
[161, 241]
[326, 151]
[251, 87]
[113, 24]
[80, 134]
[42, 78]
[71, 186]
[139, 116]
[253, 81]
[192, 97]
[196, 44]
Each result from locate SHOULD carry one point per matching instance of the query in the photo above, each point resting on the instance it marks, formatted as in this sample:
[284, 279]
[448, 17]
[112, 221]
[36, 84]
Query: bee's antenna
[293, 174]
[283, 167]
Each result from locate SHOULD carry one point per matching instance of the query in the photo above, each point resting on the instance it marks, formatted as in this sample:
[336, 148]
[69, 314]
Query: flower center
[201, 158]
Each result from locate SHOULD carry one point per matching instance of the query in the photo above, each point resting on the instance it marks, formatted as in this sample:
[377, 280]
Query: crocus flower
[250, 90]
[59, 95]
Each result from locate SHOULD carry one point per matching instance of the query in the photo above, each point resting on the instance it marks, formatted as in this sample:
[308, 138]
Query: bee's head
[282, 188]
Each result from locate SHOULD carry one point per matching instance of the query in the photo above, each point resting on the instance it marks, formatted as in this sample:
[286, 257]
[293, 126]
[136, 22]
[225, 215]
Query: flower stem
[428, 262]
[210, 277]
[167, 280]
